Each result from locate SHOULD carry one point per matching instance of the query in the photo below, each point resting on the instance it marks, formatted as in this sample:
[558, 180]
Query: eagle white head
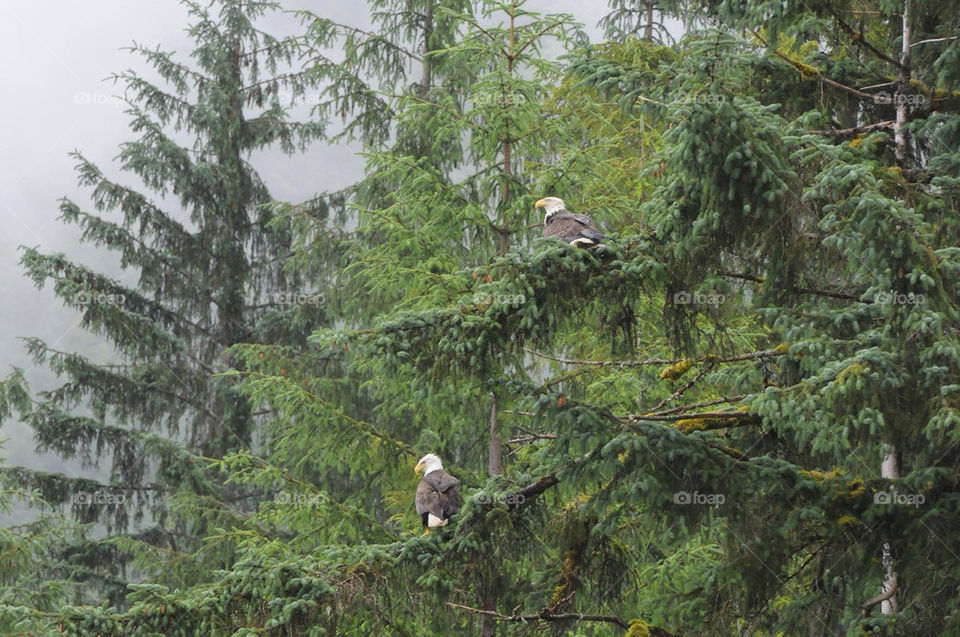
[428, 463]
[552, 205]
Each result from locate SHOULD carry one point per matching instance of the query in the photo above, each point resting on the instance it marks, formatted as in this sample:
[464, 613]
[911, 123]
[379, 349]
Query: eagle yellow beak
[540, 204]
[418, 468]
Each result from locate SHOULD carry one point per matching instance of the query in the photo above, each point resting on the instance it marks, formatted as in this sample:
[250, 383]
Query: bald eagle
[438, 494]
[577, 230]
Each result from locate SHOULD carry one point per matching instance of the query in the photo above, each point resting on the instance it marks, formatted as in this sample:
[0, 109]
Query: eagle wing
[438, 493]
[573, 228]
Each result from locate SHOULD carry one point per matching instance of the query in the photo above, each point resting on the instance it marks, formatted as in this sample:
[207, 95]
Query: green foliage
[691, 417]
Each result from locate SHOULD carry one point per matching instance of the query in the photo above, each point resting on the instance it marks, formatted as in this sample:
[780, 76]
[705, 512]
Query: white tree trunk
[900, 100]
[890, 469]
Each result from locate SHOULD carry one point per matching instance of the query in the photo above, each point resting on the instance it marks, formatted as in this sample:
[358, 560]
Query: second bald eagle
[438, 494]
[577, 230]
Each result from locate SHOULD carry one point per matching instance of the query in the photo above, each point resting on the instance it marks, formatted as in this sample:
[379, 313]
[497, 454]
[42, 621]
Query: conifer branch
[859, 40]
[546, 615]
[533, 490]
[777, 351]
[693, 381]
[704, 403]
[805, 69]
[801, 290]
[305, 14]
[536, 37]
[855, 130]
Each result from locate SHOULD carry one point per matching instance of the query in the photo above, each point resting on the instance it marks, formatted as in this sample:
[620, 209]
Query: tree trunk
[495, 451]
[495, 461]
[425, 79]
[900, 101]
[648, 31]
[890, 469]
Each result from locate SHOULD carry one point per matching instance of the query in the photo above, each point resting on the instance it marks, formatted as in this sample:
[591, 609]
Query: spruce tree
[693, 416]
[188, 222]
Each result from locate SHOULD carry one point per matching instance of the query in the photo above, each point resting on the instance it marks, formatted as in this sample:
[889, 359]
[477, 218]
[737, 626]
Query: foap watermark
[906, 99]
[681, 97]
[98, 298]
[98, 498]
[902, 499]
[497, 98]
[701, 499]
[698, 298]
[298, 298]
[289, 97]
[513, 300]
[96, 98]
[509, 499]
[301, 499]
[899, 298]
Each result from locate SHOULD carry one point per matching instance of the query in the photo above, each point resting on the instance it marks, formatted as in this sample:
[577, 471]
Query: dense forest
[736, 413]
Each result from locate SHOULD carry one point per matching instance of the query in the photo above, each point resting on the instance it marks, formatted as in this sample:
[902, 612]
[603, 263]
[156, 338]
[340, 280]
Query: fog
[57, 59]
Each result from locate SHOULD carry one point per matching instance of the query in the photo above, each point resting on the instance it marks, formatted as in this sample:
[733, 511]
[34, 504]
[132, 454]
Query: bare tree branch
[545, 615]
[856, 130]
[704, 415]
[533, 490]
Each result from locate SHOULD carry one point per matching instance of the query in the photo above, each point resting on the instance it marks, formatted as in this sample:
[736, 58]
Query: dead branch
[703, 415]
[856, 130]
[528, 438]
[533, 490]
[703, 403]
[545, 615]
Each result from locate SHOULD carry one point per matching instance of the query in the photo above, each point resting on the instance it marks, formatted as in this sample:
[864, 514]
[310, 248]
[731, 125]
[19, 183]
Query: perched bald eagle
[438, 494]
[577, 230]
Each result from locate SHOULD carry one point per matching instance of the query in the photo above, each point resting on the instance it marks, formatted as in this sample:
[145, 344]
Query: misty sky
[56, 60]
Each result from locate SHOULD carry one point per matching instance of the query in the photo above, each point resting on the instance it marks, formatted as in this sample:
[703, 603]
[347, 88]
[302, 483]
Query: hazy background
[57, 57]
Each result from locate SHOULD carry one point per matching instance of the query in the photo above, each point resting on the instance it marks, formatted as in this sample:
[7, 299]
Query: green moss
[675, 371]
[820, 476]
[847, 521]
[851, 371]
[686, 425]
[638, 628]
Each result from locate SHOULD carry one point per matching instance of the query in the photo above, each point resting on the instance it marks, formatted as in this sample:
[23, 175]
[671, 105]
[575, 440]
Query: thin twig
[693, 381]
[704, 403]
[660, 361]
[545, 616]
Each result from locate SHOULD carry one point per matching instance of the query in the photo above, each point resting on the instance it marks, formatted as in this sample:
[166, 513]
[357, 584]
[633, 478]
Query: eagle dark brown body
[438, 494]
[577, 230]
